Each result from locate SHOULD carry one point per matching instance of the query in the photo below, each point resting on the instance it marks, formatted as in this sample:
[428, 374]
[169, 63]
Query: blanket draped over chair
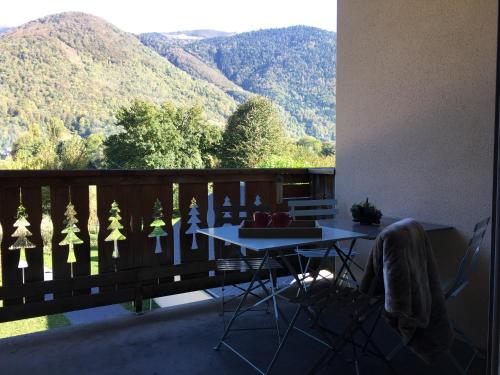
[402, 268]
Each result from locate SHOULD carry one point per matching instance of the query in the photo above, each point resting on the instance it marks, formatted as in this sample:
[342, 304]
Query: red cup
[281, 219]
[261, 219]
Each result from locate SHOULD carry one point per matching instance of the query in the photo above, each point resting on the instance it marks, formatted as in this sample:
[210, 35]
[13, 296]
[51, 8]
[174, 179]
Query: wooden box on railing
[296, 229]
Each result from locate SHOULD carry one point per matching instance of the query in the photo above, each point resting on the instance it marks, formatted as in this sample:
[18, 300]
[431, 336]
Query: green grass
[24, 326]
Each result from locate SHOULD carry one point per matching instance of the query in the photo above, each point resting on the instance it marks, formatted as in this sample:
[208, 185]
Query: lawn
[24, 326]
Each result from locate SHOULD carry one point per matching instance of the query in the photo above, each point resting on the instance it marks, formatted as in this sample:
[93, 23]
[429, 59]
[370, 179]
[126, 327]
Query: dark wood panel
[266, 190]
[32, 201]
[61, 286]
[141, 173]
[186, 193]
[221, 190]
[105, 197]
[138, 267]
[145, 274]
[60, 198]
[231, 190]
[323, 186]
[80, 199]
[11, 274]
[267, 194]
[296, 191]
[61, 270]
[145, 247]
[147, 177]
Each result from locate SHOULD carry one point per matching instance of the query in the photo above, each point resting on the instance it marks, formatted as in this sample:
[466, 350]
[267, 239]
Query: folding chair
[244, 265]
[359, 308]
[466, 267]
[229, 214]
[320, 209]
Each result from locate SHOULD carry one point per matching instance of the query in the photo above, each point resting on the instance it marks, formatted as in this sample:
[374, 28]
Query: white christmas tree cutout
[193, 221]
[227, 215]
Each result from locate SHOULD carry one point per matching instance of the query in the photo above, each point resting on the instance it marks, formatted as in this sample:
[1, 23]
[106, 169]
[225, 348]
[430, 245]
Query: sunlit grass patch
[25, 326]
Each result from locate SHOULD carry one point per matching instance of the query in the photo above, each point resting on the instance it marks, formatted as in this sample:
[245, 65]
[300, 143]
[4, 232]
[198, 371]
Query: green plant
[366, 213]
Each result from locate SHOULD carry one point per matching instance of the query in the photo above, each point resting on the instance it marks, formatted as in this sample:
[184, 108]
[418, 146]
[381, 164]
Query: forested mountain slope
[81, 69]
[293, 66]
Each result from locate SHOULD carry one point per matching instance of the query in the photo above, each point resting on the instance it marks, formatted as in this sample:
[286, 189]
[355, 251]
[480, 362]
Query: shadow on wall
[472, 304]
[449, 247]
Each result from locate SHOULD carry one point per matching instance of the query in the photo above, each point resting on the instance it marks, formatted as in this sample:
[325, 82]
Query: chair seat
[320, 253]
[240, 264]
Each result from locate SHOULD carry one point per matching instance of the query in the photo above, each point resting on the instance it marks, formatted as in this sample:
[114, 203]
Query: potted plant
[365, 213]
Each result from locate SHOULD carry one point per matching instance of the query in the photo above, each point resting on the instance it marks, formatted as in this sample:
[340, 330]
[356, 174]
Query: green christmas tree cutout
[22, 233]
[157, 225]
[115, 226]
[70, 231]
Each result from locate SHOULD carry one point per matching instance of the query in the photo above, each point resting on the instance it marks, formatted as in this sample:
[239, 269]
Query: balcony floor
[179, 340]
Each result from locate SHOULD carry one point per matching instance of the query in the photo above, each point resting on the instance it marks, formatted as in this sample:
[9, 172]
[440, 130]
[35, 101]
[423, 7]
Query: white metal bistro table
[276, 248]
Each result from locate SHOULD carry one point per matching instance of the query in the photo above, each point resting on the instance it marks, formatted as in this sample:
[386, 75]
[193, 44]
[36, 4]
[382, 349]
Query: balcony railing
[141, 270]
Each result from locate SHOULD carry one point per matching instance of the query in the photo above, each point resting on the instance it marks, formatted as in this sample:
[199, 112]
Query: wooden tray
[296, 229]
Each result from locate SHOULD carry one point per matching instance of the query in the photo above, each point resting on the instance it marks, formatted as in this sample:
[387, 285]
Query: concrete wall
[415, 120]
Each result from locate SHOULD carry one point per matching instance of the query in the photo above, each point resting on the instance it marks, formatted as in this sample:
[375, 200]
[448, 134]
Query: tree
[253, 134]
[157, 225]
[165, 136]
[72, 153]
[193, 221]
[34, 150]
[70, 230]
[149, 140]
[200, 138]
[310, 143]
[22, 233]
[328, 148]
[94, 144]
[115, 226]
[55, 147]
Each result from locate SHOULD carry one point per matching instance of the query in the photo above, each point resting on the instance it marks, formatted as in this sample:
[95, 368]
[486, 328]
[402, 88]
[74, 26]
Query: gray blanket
[402, 268]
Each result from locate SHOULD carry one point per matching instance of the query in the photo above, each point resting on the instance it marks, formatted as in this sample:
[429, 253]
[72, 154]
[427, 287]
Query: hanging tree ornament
[22, 233]
[70, 231]
[115, 226]
[158, 225]
[193, 221]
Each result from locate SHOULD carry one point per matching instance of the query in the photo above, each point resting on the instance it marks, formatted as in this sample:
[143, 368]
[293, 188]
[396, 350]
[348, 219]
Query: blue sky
[167, 15]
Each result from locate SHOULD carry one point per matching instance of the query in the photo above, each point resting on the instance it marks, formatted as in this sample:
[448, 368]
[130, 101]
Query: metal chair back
[313, 208]
[469, 260]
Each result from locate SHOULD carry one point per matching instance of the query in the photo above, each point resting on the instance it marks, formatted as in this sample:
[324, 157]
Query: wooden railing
[143, 268]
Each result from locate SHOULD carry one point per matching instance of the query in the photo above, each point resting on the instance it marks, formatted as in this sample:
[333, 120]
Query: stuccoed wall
[415, 122]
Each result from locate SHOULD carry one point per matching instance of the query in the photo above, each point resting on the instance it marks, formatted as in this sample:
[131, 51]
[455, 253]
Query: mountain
[81, 69]
[191, 64]
[4, 29]
[294, 66]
